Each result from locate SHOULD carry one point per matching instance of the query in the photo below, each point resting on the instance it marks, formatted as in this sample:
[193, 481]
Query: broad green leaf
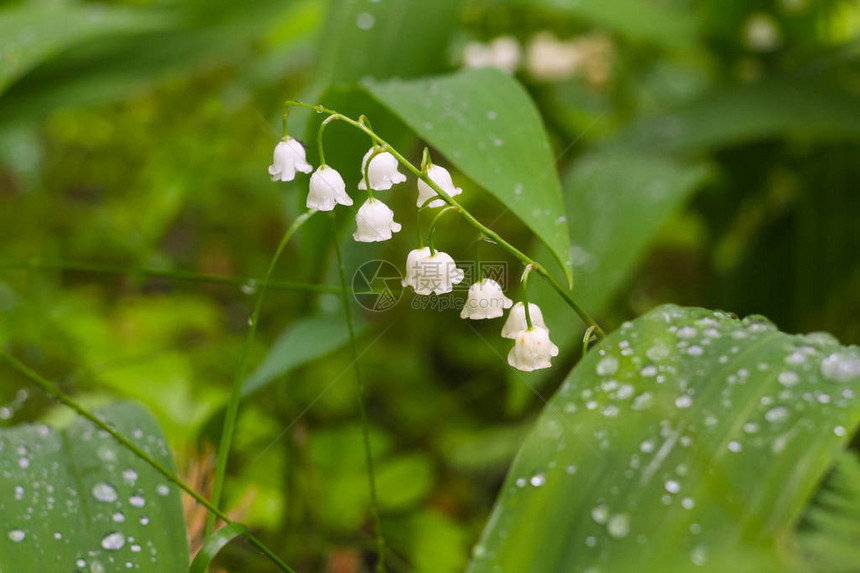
[306, 340]
[739, 114]
[74, 499]
[655, 22]
[617, 200]
[213, 545]
[35, 31]
[687, 439]
[368, 38]
[485, 124]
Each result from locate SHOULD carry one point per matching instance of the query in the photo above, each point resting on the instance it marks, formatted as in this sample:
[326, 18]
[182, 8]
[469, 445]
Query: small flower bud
[289, 158]
[532, 350]
[327, 189]
[374, 222]
[428, 273]
[382, 171]
[440, 176]
[516, 322]
[486, 300]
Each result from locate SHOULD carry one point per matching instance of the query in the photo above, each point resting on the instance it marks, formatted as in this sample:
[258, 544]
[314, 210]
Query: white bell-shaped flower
[327, 189]
[382, 171]
[532, 350]
[428, 273]
[374, 222]
[516, 321]
[440, 176]
[485, 300]
[289, 158]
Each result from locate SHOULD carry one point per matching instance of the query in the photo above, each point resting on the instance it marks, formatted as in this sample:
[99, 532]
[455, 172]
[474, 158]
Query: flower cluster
[428, 271]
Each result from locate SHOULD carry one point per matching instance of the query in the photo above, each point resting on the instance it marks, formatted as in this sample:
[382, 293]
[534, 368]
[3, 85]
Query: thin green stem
[320, 140]
[586, 339]
[525, 295]
[365, 424]
[432, 230]
[479, 272]
[489, 233]
[54, 390]
[236, 391]
[38, 265]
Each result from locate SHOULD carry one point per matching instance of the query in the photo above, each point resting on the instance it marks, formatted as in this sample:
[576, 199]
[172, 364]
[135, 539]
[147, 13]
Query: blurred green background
[135, 212]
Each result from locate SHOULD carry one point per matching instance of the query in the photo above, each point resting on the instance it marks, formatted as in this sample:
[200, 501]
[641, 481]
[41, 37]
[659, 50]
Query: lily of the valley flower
[289, 158]
[327, 189]
[516, 322]
[532, 350]
[382, 171]
[375, 222]
[429, 274]
[440, 176]
[486, 300]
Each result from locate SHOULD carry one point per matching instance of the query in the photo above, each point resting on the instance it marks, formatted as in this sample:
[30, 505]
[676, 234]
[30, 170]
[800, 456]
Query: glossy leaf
[75, 499]
[684, 440]
[213, 545]
[485, 124]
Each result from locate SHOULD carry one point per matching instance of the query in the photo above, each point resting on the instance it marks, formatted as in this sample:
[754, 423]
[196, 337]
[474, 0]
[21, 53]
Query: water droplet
[618, 526]
[688, 503]
[17, 535]
[699, 555]
[687, 332]
[162, 489]
[695, 350]
[81, 563]
[840, 367]
[135, 548]
[538, 480]
[649, 371]
[735, 447]
[19, 492]
[144, 520]
[839, 431]
[129, 475]
[571, 469]
[23, 463]
[642, 401]
[104, 492]
[491, 115]
[365, 21]
[118, 517]
[775, 415]
[788, 378]
[600, 514]
[683, 401]
[137, 500]
[607, 366]
[113, 541]
[672, 486]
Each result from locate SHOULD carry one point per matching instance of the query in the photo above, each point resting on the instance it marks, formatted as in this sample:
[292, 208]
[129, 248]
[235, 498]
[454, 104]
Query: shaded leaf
[485, 124]
[75, 498]
[739, 114]
[684, 440]
[655, 22]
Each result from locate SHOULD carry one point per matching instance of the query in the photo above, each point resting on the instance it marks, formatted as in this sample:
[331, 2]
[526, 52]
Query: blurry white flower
[327, 189]
[532, 350]
[440, 176]
[549, 59]
[761, 33]
[589, 56]
[428, 273]
[503, 53]
[374, 222]
[382, 171]
[289, 158]
[516, 321]
[486, 300]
